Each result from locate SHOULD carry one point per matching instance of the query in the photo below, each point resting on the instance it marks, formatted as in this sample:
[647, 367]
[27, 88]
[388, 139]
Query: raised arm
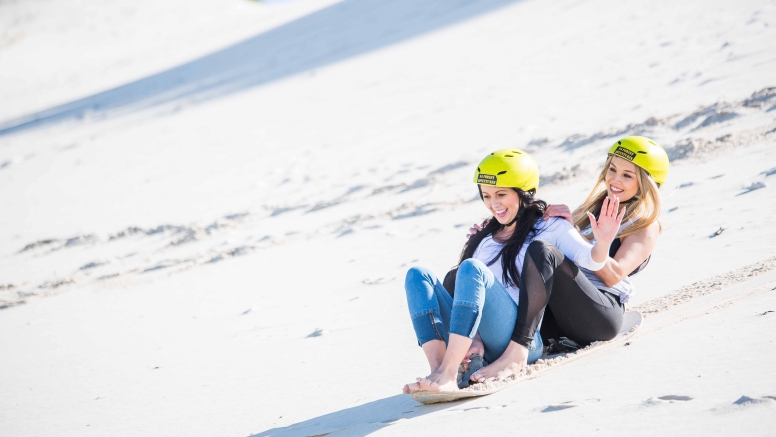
[634, 250]
[579, 250]
[567, 239]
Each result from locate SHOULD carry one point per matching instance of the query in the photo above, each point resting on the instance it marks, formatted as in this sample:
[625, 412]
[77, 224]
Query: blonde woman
[635, 169]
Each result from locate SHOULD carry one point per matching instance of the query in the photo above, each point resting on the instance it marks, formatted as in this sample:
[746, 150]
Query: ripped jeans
[481, 304]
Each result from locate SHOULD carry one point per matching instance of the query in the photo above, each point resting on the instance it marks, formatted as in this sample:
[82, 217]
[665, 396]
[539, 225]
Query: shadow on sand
[335, 33]
[358, 421]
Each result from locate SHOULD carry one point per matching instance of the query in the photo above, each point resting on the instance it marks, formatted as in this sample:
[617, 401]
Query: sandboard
[631, 322]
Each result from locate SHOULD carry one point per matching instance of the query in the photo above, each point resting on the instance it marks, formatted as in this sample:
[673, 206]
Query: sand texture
[209, 207]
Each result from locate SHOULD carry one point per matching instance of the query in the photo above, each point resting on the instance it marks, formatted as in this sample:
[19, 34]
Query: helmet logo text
[622, 152]
[487, 179]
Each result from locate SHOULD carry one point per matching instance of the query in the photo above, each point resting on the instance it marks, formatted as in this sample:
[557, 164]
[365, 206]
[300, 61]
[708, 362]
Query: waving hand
[608, 223]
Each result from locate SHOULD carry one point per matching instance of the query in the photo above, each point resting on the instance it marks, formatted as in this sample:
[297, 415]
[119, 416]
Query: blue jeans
[481, 304]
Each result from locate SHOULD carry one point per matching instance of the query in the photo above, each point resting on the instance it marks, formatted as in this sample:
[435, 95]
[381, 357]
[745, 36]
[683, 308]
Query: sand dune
[208, 211]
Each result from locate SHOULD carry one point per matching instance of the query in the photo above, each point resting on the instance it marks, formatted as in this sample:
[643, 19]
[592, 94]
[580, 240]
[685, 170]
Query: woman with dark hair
[504, 279]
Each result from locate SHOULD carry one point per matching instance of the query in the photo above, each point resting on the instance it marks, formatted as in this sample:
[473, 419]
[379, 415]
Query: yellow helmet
[645, 153]
[512, 168]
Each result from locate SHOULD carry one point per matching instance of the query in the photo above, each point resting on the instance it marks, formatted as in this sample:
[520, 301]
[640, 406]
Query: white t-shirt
[556, 231]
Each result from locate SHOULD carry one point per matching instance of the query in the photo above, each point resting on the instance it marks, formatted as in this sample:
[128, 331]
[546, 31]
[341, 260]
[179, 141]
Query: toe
[425, 384]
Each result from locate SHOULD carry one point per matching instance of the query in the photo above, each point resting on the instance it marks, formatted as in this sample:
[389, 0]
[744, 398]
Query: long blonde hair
[642, 209]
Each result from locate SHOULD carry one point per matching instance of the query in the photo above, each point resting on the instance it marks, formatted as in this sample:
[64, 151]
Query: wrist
[600, 252]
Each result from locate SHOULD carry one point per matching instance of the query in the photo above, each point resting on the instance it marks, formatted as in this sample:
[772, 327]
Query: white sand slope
[189, 191]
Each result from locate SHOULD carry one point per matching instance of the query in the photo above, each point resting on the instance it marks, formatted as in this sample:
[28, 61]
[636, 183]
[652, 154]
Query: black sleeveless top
[616, 246]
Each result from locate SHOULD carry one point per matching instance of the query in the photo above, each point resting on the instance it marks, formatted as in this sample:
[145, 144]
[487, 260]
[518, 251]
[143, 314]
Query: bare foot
[511, 362]
[433, 382]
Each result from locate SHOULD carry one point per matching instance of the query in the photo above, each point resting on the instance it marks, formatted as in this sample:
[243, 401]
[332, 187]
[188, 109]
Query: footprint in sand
[552, 408]
[675, 398]
[491, 407]
[745, 402]
[668, 399]
[317, 333]
[378, 281]
[564, 405]
[752, 187]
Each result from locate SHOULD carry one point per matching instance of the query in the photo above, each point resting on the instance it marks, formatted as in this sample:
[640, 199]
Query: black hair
[531, 211]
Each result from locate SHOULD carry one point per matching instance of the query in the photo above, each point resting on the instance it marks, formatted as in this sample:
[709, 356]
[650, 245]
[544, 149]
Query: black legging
[575, 308]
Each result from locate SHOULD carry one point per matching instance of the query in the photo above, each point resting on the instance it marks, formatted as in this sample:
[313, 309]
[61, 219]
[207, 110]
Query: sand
[208, 208]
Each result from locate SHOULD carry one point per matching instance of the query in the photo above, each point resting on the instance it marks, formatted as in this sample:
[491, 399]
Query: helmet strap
[514, 220]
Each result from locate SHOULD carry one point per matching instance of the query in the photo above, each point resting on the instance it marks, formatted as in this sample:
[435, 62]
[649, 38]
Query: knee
[603, 331]
[542, 252]
[416, 275]
[539, 249]
[472, 267]
[473, 271]
[610, 332]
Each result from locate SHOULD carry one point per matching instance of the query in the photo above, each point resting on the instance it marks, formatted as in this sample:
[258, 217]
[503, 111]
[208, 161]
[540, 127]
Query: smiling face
[503, 203]
[622, 179]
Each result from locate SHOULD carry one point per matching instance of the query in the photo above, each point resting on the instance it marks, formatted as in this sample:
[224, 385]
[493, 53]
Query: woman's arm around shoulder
[633, 251]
